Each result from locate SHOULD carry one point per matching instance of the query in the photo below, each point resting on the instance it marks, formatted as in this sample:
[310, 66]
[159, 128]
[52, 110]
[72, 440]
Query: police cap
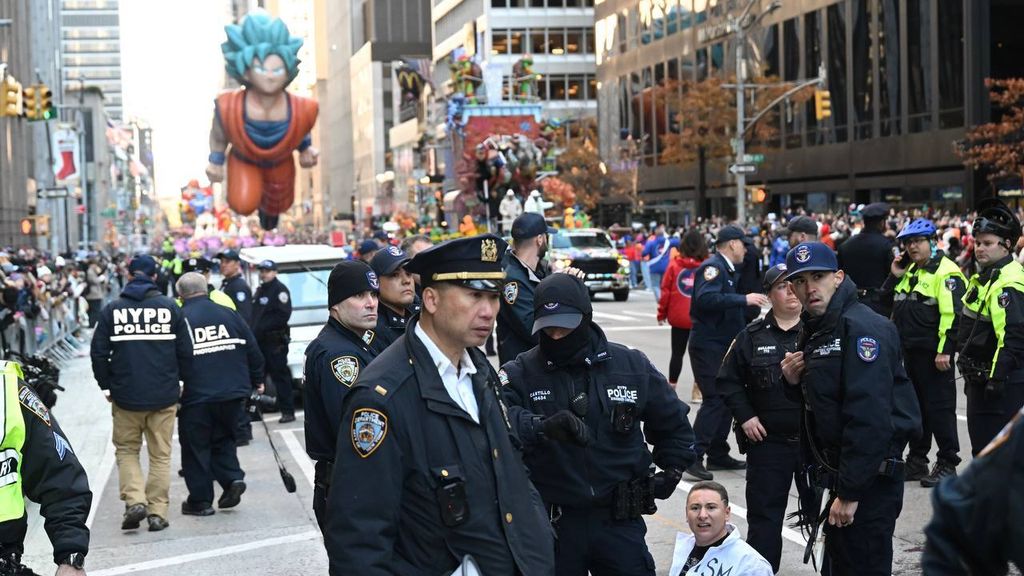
[875, 211]
[229, 255]
[387, 260]
[267, 265]
[368, 246]
[729, 233]
[560, 300]
[529, 225]
[802, 224]
[473, 262]
[348, 278]
[199, 264]
[810, 256]
[143, 264]
[773, 275]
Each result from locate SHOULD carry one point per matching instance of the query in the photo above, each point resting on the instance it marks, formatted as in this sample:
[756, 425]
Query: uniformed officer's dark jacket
[751, 378]
[139, 342]
[978, 341]
[917, 316]
[976, 528]
[390, 325]
[226, 361]
[862, 405]
[749, 280]
[866, 259]
[414, 442]
[718, 312]
[271, 309]
[613, 378]
[515, 318]
[334, 359]
[238, 290]
[53, 477]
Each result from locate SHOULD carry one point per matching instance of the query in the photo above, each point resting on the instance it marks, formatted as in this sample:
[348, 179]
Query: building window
[499, 42]
[589, 45]
[517, 41]
[919, 66]
[576, 87]
[556, 41]
[863, 98]
[791, 71]
[812, 59]
[591, 87]
[888, 40]
[538, 44]
[499, 3]
[574, 41]
[537, 3]
[769, 53]
[951, 64]
[556, 87]
[837, 69]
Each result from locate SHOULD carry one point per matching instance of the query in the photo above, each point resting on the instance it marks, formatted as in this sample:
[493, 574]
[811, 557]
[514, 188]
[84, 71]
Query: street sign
[743, 169]
[753, 158]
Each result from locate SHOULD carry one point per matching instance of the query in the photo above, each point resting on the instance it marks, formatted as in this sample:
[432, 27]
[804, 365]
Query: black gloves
[564, 426]
[665, 483]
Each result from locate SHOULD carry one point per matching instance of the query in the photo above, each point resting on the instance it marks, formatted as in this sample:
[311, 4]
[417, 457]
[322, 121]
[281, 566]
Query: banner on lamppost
[67, 154]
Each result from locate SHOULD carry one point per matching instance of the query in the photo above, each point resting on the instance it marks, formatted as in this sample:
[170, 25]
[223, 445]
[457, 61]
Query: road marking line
[105, 470]
[787, 533]
[632, 328]
[298, 454]
[218, 552]
[644, 315]
[607, 316]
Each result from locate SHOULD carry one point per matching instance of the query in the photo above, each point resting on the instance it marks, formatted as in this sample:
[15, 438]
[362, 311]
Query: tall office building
[91, 48]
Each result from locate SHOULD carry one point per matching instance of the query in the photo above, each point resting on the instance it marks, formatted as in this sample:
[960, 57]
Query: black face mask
[569, 350]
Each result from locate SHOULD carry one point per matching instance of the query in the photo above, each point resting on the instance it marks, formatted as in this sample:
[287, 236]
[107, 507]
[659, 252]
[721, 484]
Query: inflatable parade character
[525, 79]
[262, 122]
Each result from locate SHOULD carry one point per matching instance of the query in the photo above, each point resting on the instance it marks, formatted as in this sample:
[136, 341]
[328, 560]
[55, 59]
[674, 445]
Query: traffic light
[822, 104]
[46, 108]
[10, 97]
[759, 195]
[30, 102]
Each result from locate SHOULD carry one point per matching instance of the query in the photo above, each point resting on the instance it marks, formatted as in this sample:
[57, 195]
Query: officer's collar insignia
[381, 390]
[368, 336]
[803, 254]
[1004, 299]
[867, 349]
[62, 445]
[511, 292]
[369, 427]
[345, 369]
[710, 273]
[488, 250]
[371, 277]
[29, 400]
[503, 377]
[951, 283]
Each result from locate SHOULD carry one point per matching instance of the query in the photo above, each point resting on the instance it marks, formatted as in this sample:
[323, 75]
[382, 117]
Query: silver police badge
[345, 369]
[369, 427]
[511, 292]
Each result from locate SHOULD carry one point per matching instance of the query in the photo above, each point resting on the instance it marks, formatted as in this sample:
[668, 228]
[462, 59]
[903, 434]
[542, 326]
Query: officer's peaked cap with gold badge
[473, 262]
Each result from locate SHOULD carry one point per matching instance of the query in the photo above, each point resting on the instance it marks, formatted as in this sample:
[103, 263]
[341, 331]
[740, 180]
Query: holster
[742, 442]
[633, 498]
[322, 471]
[974, 373]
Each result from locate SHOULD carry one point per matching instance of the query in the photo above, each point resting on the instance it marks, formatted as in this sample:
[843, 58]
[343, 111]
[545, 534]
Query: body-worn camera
[624, 417]
[452, 500]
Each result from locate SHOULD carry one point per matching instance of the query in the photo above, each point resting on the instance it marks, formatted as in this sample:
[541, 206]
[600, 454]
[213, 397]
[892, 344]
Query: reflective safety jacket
[926, 304]
[992, 329]
[12, 503]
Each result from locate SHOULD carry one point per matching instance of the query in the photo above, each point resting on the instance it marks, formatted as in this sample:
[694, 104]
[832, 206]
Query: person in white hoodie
[714, 545]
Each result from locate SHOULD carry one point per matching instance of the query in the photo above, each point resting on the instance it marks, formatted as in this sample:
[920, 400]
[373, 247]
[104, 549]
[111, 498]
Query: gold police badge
[345, 369]
[488, 250]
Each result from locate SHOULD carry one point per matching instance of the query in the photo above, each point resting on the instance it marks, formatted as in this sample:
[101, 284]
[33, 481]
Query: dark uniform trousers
[322, 471]
[711, 427]
[207, 434]
[588, 541]
[936, 393]
[275, 354]
[987, 412]
[771, 467]
[851, 550]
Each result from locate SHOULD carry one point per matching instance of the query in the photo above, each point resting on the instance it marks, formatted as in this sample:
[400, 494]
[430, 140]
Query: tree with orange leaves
[999, 146]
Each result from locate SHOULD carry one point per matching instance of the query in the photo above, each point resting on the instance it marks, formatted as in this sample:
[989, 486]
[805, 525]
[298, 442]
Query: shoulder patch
[29, 400]
[369, 428]
[867, 349]
[511, 292]
[503, 377]
[283, 297]
[710, 273]
[240, 296]
[951, 283]
[1003, 299]
[345, 369]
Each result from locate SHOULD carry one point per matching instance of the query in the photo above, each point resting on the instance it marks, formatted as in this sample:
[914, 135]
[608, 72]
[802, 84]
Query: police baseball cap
[368, 246]
[197, 265]
[875, 211]
[143, 264]
[773, 275]
[803, 224]
[808, 257]
[348, 278]
[387, 260]
[560, 301]
[473, 262]
[529, 225]
[729, 233]
[229, 255]
[267, 265]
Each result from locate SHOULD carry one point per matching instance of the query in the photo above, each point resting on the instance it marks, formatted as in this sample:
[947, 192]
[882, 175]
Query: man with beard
[577, 402]
[333, 362]
[523, 271]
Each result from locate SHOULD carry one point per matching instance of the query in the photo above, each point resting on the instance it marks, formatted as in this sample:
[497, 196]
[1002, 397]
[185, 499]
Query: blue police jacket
[139, 343]
[717, 310]
[226, 362]
[238, 290]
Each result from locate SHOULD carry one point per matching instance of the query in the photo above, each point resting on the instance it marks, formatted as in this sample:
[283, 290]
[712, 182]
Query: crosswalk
[627, 320]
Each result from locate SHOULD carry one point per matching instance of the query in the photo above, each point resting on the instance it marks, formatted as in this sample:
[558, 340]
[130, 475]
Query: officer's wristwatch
[75, 560]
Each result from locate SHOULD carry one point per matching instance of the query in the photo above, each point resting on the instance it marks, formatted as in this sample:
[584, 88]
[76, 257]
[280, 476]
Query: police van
[304, 269]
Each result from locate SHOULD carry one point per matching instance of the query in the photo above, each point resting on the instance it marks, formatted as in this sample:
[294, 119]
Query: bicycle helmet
[994, 217]
[917, 227]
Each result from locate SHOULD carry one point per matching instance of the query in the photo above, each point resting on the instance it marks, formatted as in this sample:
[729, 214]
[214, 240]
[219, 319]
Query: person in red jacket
[674, 304]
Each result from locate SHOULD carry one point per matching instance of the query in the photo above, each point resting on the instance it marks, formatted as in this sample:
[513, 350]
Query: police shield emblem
[1004, 299]
[283, 297]
[867, 349]
[488, 250]
[803, 253]
[345, 369]
[511, 292]
[951, 283]
[371, 278]
[394, 251]
[369, 427]
[503, 377]
[240, 296]
[710, 273]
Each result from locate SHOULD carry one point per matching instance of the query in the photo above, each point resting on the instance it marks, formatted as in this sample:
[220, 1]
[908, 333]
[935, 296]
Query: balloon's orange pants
[271, 189]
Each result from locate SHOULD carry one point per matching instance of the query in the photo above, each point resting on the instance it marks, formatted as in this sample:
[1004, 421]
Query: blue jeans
[645, 270]
[656, 284]
[634, 271]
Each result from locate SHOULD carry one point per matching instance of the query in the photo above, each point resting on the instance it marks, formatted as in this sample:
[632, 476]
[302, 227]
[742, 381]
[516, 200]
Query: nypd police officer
[577, 402]
[768, 423]
[426, 462]
[234, 285]
[859, 407]
[271, 310]
[866, 258]
[205, 267]
[523, 271]
[397, 297]
[718, 315]
[334, 359]
[41, 466]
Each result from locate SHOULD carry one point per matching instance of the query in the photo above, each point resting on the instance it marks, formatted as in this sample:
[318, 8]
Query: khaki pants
[158, 427]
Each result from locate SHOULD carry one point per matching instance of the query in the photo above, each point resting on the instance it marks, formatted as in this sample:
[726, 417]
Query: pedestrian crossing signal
[759, 195]
[822, 104]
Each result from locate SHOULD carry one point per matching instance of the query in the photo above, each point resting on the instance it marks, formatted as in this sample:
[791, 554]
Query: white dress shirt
[458, 382]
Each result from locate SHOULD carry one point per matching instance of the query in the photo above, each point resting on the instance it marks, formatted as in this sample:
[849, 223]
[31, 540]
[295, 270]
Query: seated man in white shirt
[715, 546]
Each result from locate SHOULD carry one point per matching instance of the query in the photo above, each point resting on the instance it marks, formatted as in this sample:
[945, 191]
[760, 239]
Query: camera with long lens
[259, 403]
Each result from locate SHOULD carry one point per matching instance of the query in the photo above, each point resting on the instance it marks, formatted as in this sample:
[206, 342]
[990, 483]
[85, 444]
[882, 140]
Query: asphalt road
[274, 533]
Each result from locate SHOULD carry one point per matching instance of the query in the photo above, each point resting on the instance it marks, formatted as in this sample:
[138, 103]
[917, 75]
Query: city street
[274, 533]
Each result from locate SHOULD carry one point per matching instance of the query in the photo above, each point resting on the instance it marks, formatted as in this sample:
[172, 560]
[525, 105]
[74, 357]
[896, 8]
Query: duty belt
[915, 297]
